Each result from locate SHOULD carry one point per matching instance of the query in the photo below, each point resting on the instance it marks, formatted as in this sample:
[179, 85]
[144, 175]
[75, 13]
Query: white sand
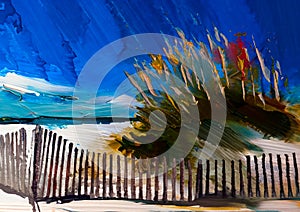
[10, 202]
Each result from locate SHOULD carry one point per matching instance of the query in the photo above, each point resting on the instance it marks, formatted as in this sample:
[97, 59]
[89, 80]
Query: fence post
[242, 190]
[74, 170]
[174, 175]
[18, 161]
[190, 181]
[125, 177]
[2, 165]
[223, 179]
[68, 169]
[36, 161]
[56, 166]
[13, 160]
[266, 193]
[23, 135]
[140, 179]
[290, 192]
[104, 175]
[43, 143]
[249, 178]
[97, 192]
[93, 176]
[80, 172]
[44, 149]
[199, 180]
[296, 175]
[51, 166]
[257, 189]
[46, 164]
[62, 167]
[272, 175]
[156, 185]
[132, 184]
[8, 160]
[207, 178]
[111, 191]
[86, 173]
[181, 180]
[165, 180]
[280, 176]
[233, 190]
[118, 177]
[216, 177]
[148, 183]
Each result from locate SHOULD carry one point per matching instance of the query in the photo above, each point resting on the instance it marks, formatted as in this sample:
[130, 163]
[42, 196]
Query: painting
[154, 105]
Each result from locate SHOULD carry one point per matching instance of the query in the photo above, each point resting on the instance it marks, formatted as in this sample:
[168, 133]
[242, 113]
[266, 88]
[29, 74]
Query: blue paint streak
[53, 39]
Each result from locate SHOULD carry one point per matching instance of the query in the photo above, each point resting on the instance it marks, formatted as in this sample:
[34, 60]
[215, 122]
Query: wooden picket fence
[50, 168]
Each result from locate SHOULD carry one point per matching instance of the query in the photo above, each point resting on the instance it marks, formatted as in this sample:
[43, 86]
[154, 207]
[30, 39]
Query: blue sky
[53, 39]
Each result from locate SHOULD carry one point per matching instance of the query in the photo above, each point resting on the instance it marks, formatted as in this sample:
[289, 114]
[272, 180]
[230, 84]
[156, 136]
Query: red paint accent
[236, 51]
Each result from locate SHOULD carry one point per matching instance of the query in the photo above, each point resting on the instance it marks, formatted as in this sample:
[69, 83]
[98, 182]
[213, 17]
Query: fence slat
[12, 162]
[174, 175]
[118, 176]
[44, 148]
[56, 166]
[216, 177]
[68, 169]
[199, 180]
[207, 177]
[182, 179]
[80, 172]
[62, 167]
[30, 166]
[242, 188]
[288, 177]
[266, 192]
[86, 173]
[148, 182]
[190, 181]
[74, 170]
[280, 176]
[43, 142]
[223, 179]
[156, 185]
[51, 166]
[23, 138]
[257, 189]
[165, 180]
[125, 178]
[104, 175]
[2, 159]
[233, 189]
[97, 192]
[18, 161]
[296, 175]
[110, 179]
[8, 160]
[36, 160]
[93, 176]
[46, 163]
[272, 176]
[140, 179]
[132, 181]
[249, 178]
